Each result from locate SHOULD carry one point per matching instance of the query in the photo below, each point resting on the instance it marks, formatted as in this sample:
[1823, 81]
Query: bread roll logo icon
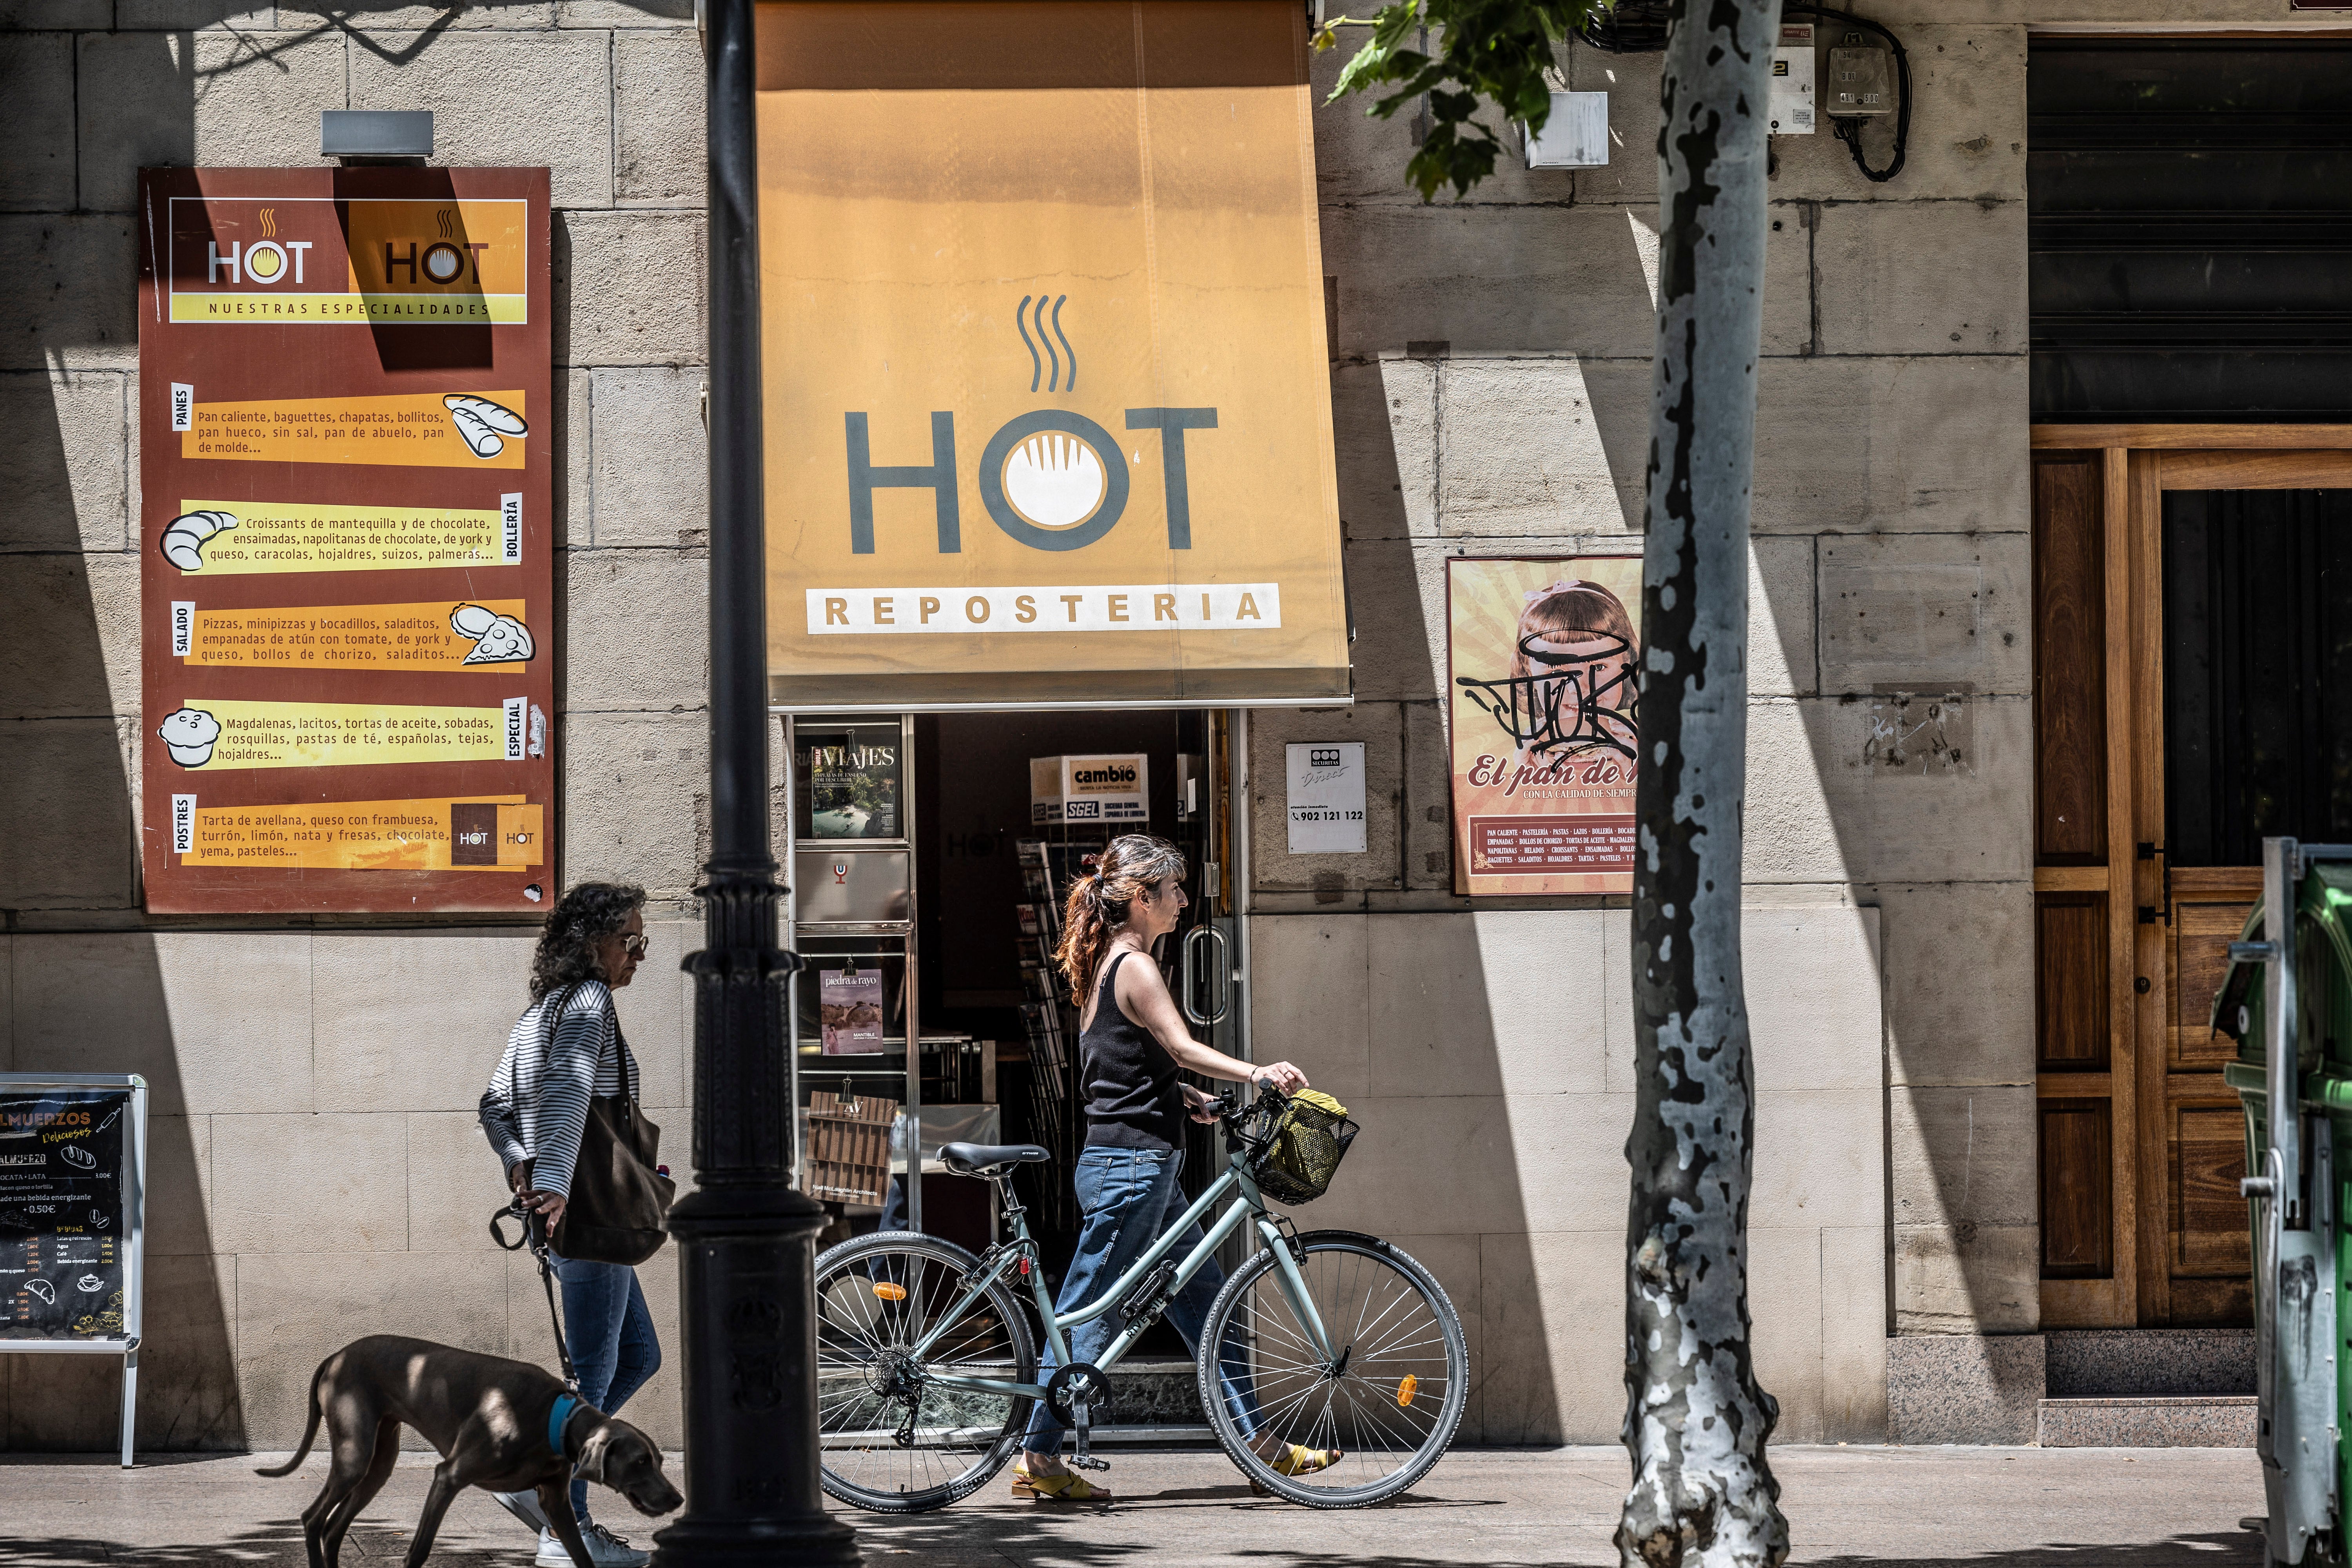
[484, 425]
[497, 639]
[190, 735]
[1055, 480]
[184, 537]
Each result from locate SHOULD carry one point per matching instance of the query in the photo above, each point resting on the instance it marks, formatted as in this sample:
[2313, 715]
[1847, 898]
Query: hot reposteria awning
[1046, 385]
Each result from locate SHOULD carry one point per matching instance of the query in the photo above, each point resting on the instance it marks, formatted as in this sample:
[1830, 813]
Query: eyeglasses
[633, 946]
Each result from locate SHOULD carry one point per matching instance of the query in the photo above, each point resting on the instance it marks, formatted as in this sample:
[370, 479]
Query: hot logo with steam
[1051, 478]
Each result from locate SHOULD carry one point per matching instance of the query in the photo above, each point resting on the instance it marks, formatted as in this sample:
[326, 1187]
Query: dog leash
[534, 1235]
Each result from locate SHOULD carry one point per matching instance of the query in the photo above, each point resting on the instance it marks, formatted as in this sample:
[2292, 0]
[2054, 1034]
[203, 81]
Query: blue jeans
[609, 1335]
[1130, 1197]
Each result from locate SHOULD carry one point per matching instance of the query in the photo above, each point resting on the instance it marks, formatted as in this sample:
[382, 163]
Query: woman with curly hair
[565, 1050]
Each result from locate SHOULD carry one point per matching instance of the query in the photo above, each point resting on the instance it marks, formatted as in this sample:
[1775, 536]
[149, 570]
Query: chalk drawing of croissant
[484, 425]
[497, 639]
[184, 537]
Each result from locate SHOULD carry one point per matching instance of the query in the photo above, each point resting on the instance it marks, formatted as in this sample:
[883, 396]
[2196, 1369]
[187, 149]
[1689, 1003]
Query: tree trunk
[1695, 1422]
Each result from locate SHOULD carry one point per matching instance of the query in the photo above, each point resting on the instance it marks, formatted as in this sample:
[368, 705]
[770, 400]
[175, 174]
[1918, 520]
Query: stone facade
[316, 1169]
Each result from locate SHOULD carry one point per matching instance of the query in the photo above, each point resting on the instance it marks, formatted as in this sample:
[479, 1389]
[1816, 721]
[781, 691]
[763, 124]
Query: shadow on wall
[1475, 1049]
[84, 988]
[83, 994]
[1491, 382]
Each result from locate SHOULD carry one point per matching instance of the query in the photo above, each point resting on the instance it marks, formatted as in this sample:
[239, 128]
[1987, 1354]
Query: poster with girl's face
[1543, 662]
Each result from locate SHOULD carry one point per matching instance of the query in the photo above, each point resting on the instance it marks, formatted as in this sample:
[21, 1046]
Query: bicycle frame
[1248, 1205]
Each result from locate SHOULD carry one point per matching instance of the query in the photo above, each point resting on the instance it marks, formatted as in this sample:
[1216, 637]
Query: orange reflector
[1407, 1389]
[890, 1292]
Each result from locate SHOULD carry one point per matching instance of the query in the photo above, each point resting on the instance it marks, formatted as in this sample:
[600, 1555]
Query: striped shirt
[537, 1104]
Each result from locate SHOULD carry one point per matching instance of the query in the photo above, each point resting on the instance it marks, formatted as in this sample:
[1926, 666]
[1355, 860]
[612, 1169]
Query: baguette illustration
[483, 424]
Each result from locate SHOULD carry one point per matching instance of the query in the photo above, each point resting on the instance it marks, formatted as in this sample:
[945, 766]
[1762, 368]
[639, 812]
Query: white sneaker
[605, 1550]
[524, 1506]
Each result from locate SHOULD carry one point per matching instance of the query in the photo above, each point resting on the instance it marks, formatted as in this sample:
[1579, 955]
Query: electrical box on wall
[1575, 136]
[1861, 77]
[1792, 101]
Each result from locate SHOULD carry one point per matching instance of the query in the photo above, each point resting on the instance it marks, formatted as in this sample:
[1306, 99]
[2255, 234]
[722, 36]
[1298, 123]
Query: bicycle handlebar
[1232, 1112]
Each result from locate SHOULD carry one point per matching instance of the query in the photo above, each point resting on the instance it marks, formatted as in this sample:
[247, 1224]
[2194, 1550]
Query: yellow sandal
[1069, 1488]
[1298, 1460]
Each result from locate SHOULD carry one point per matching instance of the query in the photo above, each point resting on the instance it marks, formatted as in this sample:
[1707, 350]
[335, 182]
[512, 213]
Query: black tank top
[1132, 1098]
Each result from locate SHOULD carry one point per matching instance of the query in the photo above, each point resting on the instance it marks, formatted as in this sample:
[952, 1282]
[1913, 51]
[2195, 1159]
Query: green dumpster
[2287, 1000]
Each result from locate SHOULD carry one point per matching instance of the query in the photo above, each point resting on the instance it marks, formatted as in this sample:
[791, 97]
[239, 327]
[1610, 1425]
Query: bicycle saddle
[988, 1159]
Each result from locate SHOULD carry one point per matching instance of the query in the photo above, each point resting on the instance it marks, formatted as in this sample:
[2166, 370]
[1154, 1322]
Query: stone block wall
[316, 1173]
[1490, 388]
[316, 1169]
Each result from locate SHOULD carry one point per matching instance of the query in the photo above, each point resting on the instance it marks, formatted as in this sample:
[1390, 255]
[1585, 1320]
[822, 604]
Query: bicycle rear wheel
[892, 1440]
[1390, 1394]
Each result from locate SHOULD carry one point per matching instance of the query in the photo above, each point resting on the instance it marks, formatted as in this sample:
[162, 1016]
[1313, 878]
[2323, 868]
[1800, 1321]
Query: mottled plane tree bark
[1696, 1423]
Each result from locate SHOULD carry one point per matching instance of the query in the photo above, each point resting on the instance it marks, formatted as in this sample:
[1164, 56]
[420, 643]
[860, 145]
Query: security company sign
[1048, 408]
[345, 460]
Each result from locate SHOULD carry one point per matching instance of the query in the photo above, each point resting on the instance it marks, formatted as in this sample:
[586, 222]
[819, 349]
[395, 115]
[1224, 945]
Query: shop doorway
[931, 857]
[2193, 695]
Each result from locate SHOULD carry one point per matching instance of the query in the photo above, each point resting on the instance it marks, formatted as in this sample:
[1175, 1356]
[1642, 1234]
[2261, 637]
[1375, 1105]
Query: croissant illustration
[483, 424]
[184, 537]
[497, 639]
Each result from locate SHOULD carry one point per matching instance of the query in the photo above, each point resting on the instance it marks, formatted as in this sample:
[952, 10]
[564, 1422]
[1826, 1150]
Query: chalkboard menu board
[65, 1211]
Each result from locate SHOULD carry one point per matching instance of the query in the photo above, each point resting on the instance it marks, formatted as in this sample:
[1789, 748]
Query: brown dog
[496, 1423]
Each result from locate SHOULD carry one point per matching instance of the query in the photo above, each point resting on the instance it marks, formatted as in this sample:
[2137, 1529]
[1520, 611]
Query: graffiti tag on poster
[1544, 656]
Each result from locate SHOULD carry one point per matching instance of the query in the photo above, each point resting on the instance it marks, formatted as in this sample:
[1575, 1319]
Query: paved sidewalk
[1850, 1508]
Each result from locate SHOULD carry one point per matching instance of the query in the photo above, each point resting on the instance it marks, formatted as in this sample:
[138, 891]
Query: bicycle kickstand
[1082, 1460]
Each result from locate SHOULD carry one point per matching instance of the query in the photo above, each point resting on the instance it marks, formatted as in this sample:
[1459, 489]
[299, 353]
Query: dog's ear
[596, 1453]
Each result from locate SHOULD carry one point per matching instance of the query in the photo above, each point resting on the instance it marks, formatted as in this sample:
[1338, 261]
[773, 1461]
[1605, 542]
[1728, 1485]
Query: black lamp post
[746, 1301]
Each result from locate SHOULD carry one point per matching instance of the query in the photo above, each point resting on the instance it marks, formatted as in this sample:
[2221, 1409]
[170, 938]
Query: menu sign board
[64, 1225]
[1543, 656]
[345, 531]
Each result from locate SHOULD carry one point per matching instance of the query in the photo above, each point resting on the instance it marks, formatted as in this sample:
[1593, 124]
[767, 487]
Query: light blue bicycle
[926, 1364]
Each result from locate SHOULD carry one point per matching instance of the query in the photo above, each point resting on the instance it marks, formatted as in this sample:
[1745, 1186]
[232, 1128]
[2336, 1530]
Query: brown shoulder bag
[619, 1196]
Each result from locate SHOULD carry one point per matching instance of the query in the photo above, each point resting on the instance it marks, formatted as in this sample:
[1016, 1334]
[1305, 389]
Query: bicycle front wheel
[892, 1439]
[1388, 1392]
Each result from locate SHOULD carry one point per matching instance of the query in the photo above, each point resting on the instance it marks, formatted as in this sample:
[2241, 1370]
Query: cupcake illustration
[190, 735]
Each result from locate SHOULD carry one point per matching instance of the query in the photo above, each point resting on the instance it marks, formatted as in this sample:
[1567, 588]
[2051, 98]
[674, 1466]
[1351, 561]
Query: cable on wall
[1848, 128]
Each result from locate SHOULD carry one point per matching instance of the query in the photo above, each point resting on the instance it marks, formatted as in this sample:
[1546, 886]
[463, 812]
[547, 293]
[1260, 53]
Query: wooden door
[2084, 906]
[2141, 1144]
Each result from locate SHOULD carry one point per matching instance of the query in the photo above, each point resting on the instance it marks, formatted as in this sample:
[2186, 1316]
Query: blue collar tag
[557, 1416]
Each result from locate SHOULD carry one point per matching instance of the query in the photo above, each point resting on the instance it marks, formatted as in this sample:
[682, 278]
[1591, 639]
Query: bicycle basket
[1302, 1149]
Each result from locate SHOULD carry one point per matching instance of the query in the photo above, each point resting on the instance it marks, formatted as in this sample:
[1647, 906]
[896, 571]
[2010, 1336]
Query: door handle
[1200, 936]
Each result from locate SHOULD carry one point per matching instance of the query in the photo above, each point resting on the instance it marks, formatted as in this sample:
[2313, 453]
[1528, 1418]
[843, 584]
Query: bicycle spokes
[1386, 1395]
[891, 1435]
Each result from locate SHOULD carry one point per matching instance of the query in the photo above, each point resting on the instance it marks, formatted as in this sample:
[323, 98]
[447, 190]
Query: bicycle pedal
[1087, 1462]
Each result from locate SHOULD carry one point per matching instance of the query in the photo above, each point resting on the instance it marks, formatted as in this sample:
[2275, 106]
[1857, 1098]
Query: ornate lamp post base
[747, 1301]
[745, 1257]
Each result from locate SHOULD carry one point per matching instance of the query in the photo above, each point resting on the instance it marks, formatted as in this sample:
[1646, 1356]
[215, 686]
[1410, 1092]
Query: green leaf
[1488, 53]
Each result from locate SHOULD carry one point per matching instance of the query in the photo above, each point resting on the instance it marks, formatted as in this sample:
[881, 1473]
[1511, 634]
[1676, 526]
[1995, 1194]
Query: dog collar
[558, 1417]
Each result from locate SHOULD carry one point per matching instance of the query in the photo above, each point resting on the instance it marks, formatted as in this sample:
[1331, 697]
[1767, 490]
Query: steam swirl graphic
[1037, 366]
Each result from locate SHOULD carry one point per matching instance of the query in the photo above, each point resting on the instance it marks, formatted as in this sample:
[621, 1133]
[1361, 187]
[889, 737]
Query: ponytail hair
[1099, 899]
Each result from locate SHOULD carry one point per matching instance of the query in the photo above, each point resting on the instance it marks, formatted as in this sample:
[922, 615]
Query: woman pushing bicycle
[1132, 1043]
[1331, 1367]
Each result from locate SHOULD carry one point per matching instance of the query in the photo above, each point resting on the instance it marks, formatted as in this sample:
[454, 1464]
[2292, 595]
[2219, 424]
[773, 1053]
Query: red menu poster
[346, 447]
